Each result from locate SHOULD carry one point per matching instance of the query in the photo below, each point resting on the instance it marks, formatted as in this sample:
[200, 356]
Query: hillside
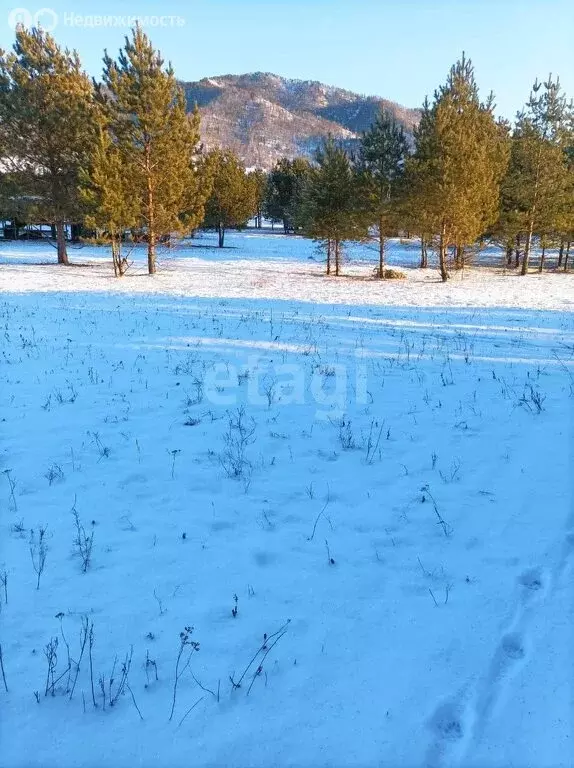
[263, 117]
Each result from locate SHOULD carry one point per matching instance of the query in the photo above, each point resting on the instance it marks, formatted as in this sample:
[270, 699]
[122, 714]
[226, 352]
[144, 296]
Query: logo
[46, 18]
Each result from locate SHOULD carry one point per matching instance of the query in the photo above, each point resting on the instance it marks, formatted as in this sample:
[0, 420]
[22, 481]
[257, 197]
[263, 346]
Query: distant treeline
[122, 159]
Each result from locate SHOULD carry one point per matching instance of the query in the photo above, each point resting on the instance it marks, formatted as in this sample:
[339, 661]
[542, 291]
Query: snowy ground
[264, 266]
[380, 474]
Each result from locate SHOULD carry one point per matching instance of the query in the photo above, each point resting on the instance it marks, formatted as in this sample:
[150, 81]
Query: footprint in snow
[509, 654]
[450, 727]
[512, 646]
[533, 583]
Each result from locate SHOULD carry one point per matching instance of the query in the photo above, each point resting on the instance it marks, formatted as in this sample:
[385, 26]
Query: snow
[402, 515]
[271, 266]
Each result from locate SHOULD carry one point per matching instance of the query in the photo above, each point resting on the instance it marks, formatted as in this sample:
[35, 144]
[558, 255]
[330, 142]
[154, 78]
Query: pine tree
[47, 128]
[506, 231]
[107, 192]
[565, 222]
[461, 155]
[13, 206]
[329, 208]
[285, 185]
[157, 140]
[233, 199]
[535, 188]
[380, 164]
[410, 211]
[259, 180]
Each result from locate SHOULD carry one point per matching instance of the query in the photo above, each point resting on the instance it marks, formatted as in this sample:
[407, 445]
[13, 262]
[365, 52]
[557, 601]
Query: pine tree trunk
[560, 253]
[61, 243]
[442, 253]
[120, 264]
[509, 252]
[527, 248]
[532, 214]
[151, 260]
[221, 233]
[115, 257]
[328, 257]
[566, 255]
[337, 257]
[424, 254]
[381, 250]
[542, 257]
[517, 253]
[459, 257]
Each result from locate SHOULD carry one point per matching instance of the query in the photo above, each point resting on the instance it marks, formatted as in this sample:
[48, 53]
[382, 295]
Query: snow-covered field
[264, 266]
[355, 497]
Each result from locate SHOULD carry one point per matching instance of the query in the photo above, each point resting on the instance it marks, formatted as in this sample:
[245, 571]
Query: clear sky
[399, 49]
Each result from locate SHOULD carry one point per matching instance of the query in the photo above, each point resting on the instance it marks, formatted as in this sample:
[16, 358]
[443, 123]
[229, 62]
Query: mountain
[263, 117]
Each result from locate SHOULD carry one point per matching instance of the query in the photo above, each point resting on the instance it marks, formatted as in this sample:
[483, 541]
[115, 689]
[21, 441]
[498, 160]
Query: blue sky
[399, 49]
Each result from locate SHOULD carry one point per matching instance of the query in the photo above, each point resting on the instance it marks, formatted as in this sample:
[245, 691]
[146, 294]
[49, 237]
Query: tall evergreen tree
[380, 163]
[461, 155]
[566, 216]
[46, 128]
[507, 229]
[535, 188]
[157, 140]
[285, 185]
[258, 178]
[107, 191]
[412, 215]
[233, 199]
[329, 209]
